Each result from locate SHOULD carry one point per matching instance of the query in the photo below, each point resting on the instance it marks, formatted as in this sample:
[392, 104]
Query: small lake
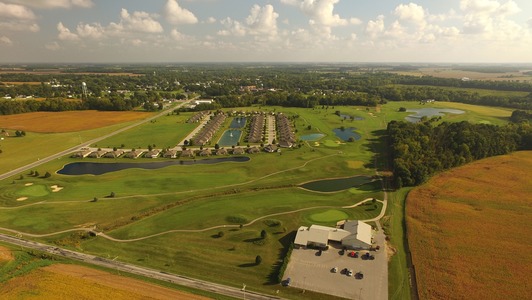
[348, 117]
[230, 138]
[430, 112]
[312, 137]
[238, 122]
[347, 133]
[337, 184]
[84, 168]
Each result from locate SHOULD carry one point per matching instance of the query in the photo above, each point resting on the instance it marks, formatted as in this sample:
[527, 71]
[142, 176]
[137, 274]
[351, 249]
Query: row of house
[197, 117]
[115, 153]
[208, 131]
[287, 136]
[256, 128]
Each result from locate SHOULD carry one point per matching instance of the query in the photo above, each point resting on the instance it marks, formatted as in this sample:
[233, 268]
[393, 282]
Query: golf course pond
[84, 168]
[336, 184]
[238, 122]
[430, 112]
[346, 133]
[230, 137]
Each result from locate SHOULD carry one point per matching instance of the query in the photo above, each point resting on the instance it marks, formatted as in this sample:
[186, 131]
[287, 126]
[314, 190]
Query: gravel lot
[308, 271]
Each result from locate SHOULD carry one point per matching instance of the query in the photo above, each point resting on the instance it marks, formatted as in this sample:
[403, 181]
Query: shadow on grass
[247, 265]
[286, 241]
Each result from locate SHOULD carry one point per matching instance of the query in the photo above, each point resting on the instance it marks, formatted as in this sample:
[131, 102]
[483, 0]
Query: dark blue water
[336, 184]
[347, 133]
[430, 112]
[230, 138]
[238, 122]
[83, 168]
[312, 137]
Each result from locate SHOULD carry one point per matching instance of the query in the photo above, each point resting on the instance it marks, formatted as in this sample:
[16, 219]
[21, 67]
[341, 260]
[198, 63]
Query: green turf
[330, 215]
[33, 191]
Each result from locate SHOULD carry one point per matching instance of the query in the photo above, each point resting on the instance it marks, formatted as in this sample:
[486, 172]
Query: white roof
[322, 234]
[361, 230]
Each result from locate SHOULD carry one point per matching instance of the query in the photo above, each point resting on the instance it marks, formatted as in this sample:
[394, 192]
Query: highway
[137, 270]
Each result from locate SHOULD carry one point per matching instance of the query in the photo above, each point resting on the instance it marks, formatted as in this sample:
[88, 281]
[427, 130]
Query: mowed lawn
[469, 230]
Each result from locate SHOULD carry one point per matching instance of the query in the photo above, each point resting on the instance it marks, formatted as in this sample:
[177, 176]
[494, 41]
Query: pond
[346, 133]
[312, 137]
[348, 117]
[238, 122]
[429, 113]
[337, 184]
[83, 168]
[230, 138]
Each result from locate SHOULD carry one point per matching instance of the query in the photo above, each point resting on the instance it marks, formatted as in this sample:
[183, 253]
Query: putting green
[331, 215]
[330, 143]
[33, 191]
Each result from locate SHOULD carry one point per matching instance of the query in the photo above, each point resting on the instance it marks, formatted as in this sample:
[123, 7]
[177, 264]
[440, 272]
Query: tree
[309, 127]
[112, 195]
[220, 234]
[47, 175]
[258, 260]
[263, 234]
[94, 199]
[216, 146]
[36, 174]
[21, 177]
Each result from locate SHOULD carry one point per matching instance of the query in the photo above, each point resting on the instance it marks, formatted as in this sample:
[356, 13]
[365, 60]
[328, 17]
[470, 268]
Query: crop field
[196, 219]
[453, 73]
[67, 121]
[469, 230]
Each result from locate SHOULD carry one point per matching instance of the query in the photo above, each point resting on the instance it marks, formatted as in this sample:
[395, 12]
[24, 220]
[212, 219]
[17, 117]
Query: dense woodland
[244, 85]
[418, 150]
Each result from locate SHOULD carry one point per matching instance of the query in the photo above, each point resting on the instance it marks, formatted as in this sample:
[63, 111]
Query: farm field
[468, 230]
[193, 219]
[444, 72]
[67, 121]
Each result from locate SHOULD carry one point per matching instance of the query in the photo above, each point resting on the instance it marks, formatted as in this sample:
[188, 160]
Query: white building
[353, 235]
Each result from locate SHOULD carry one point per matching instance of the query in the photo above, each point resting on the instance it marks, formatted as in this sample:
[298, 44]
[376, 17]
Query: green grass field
[185, 207]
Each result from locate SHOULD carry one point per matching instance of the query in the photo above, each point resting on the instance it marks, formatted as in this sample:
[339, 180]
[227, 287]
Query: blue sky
[265, 30]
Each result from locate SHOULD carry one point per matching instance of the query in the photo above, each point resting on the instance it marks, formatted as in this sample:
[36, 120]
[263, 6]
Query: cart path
[103, 235]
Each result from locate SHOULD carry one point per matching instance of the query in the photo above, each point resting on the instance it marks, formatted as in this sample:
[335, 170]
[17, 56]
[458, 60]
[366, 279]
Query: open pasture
[448, 72]
[67, 121]
[469, 230]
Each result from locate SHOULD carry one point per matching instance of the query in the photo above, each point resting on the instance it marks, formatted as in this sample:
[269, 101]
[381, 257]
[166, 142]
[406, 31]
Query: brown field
[5, 254]
[451, 73]
[68, 121]
[469, 230]
[58, 71]
[20, 82]
[77, 282]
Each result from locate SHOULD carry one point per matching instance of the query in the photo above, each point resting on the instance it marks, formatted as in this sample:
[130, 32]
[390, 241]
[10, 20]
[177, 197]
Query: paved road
[86, 144]
[142, 271]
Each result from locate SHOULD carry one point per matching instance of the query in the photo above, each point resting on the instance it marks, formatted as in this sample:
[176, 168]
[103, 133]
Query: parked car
[334, 270]
[352, 254]
[359, 275]
[319, 253]
[287, 282]
[350, 273]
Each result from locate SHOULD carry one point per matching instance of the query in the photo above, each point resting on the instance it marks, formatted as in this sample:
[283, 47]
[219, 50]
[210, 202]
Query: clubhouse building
[350, 234]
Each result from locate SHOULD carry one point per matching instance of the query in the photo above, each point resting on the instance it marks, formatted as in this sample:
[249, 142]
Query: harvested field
[68, 121]
[77, 282]
[5, 254]
[469, 230]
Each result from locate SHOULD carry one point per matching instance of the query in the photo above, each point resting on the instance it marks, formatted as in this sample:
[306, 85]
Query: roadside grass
[468, 230]
[164, 132]
[394, 226]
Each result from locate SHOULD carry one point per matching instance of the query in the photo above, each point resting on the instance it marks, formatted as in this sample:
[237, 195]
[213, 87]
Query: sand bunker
[22, 198]
[56, 188]
[29, 183]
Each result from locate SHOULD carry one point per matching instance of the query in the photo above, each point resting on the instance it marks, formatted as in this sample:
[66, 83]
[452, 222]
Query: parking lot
[309, 271]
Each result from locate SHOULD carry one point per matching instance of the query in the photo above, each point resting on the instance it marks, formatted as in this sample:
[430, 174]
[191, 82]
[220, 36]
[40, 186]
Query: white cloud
[210, 20]
[355, 21]
[233, 27]
[53, 46]
[5, 41]
[175, 14]
[375, 28]
[140, 21]
[14, 11]
[530, 22]
[262, 20]
[55, 3]
[319, 11]
[94, 31]
[19, 26]
[65, 34]
[411, 12]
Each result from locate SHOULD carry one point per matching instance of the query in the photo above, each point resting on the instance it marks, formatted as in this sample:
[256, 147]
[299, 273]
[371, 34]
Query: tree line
[421, 149]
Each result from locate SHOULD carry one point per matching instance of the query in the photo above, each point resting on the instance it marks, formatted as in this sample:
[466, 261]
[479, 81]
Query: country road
[85, 144]
[137, 270]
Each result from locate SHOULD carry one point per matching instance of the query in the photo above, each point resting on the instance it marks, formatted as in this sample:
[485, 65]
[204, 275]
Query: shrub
[258, 260]
[272, 223]
[236, 219]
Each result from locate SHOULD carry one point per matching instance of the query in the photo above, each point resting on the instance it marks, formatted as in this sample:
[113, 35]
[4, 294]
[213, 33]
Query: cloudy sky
[265, 30]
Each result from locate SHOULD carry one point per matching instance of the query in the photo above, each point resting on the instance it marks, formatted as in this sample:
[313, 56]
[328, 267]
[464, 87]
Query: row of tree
[418, 150]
